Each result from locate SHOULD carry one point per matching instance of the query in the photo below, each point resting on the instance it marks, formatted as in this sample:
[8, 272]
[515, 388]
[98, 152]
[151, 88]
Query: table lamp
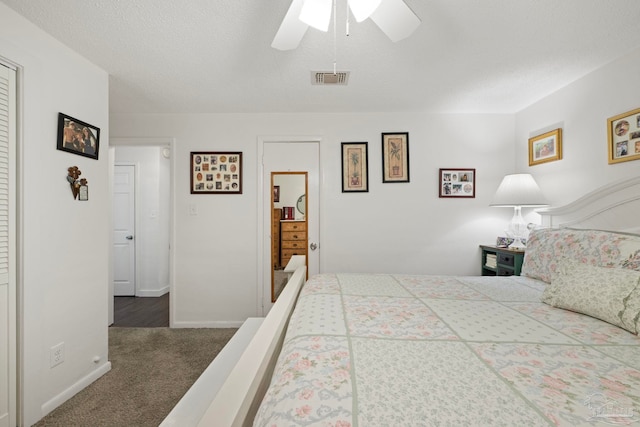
[518, 190]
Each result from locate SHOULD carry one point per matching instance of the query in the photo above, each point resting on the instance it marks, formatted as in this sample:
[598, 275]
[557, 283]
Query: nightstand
[501, 261]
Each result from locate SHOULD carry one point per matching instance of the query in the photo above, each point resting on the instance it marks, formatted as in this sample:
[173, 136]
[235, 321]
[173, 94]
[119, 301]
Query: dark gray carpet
[151, 369]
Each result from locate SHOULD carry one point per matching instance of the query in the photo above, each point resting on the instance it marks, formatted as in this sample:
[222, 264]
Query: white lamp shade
[317, 14]
[518, 189]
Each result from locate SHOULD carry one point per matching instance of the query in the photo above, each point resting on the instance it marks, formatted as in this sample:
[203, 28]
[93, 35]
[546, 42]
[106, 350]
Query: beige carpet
[151, 369]
[280, 279]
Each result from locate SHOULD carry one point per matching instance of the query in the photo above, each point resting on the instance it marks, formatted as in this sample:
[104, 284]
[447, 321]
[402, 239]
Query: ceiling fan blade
[291, 30]
[395, 19]
[362, 9]
[317, 13]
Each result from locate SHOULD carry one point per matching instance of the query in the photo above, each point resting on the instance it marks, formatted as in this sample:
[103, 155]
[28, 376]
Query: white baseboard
[75, 388]
[209, 324]
[152, 292]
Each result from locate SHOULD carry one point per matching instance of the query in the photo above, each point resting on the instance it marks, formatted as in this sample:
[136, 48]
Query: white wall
[392, 228]
[291, 188]
[152, 217]
[63, 243]
[581, 109]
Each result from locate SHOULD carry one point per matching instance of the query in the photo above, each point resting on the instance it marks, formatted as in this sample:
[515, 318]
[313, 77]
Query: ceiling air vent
[329, 78]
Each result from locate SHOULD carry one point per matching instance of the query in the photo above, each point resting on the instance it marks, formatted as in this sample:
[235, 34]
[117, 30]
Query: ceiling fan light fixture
[362, 9]
[317, 14]
[291, 30]
[395, 19]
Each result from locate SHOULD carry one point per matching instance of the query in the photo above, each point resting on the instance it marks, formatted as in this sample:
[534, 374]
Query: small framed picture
[355, 167]
[216, 172]
[78, 137]
[395, 157]
[458, 183]
[624, 136]
[546, 147]
[276, 193]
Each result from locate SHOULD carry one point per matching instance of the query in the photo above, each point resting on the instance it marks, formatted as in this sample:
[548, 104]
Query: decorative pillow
[609, 294]
[547, 247]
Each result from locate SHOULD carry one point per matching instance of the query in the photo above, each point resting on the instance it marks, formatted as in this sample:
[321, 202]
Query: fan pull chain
[335, 43]
[348, 16]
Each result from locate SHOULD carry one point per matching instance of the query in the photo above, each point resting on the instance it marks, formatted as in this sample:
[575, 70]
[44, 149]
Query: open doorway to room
[282, 236]
[141, 182]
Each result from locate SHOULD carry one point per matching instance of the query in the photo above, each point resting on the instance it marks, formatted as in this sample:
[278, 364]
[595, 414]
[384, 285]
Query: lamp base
[517, 228]
[517, 244]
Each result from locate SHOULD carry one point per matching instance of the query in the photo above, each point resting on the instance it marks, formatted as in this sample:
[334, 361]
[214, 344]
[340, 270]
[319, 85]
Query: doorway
[124, 245]
[10, 382]
[147, 164]
[288, 227]
[288, 154]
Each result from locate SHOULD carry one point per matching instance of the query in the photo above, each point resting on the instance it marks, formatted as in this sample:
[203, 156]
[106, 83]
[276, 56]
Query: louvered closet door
[7, 249]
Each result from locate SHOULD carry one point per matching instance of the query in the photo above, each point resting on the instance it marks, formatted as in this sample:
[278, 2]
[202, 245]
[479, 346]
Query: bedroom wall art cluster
[395, 162]
[453, 183]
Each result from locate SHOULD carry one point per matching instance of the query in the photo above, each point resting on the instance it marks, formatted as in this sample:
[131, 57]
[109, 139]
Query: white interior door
[8, 313]
[295, 156]
[124, 253]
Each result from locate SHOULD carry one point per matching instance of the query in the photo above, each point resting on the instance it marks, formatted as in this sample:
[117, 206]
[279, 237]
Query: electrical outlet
[56, 355]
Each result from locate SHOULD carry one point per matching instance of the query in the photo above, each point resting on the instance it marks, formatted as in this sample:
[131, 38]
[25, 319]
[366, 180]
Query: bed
[395, 349]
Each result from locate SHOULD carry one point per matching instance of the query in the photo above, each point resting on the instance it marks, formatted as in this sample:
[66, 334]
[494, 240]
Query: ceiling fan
[393, 17]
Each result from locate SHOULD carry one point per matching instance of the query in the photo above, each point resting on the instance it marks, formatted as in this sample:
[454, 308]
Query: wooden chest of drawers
[293, 240]
[275, 237]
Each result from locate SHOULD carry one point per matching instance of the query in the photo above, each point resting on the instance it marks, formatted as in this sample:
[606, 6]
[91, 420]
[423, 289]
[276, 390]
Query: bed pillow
[547, 247]
[609, 294]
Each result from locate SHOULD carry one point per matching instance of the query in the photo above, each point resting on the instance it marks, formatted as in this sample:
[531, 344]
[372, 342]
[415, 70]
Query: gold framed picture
[624, 136]
[545, 148]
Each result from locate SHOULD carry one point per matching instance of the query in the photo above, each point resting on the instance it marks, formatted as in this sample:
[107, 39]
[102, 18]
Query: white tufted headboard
[615, 207]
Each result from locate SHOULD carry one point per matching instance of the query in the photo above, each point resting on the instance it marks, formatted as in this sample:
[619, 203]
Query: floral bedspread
[405, 350]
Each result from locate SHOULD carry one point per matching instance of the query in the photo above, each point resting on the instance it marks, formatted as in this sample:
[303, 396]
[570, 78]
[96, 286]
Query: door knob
[313, 246]
[129, 237]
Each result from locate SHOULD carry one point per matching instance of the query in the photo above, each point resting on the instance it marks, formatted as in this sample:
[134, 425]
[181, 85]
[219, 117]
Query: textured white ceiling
[205, 56]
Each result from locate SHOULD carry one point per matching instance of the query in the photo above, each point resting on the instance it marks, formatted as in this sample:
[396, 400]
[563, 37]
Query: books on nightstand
[491, 261]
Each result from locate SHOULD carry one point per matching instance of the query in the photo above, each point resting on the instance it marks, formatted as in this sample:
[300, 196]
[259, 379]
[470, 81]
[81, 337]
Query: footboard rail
[237, 401]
